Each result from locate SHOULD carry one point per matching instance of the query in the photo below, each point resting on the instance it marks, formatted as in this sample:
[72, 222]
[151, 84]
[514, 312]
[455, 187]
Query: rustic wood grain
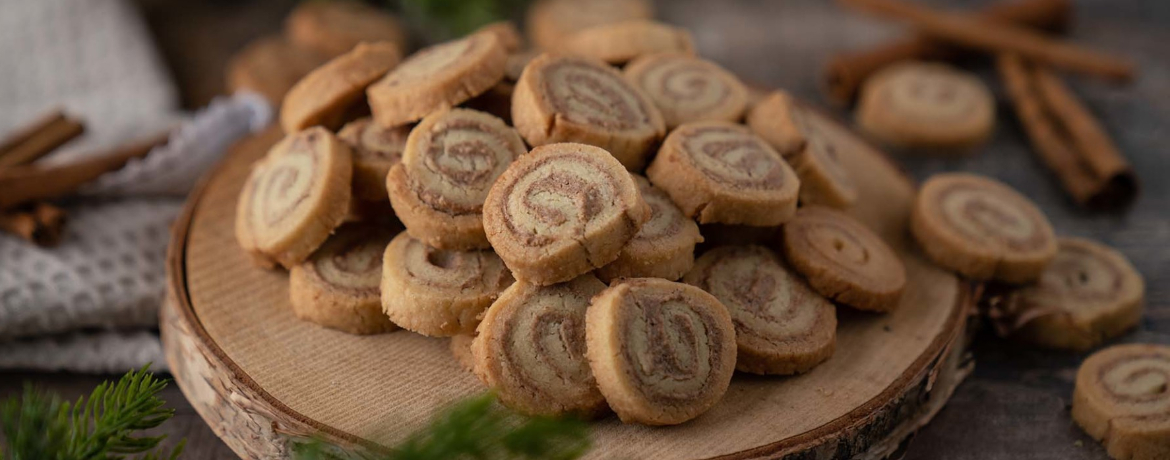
[1015, 406]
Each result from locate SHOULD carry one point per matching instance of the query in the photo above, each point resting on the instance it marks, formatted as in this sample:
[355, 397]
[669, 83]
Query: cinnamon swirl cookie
[531, 349]
[622, 42]
[1088, 294]
[328, 94]
[561, 211]
[294, 198]
[662, 352]
[336, 27]
[551, 21]
[928, 105]
[781, 325]
[451, 160]
[811, 143]
[721, 172]
[376, 149]
[438, 77]
[663, 248]
[436, 292]
[843, 260]
[574, 99]
[982, 228]
[686, 88]
[337, 287]
[1122, 399]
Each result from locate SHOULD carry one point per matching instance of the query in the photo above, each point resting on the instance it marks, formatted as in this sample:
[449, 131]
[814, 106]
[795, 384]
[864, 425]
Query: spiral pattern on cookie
[844, 260]
[352, 260]
[338, 287]
[563, 197]
[926, 100]
[453, 157]
[439, 292]
[1089, 293]
[671, 345]
[1084, 277]
[665, 245]
[531, 348]
[781, 325]
[453, 271]
[587, 93]
[688, 89]
[992, 216]
[1122, 398]
[295, 196]
[731, 155]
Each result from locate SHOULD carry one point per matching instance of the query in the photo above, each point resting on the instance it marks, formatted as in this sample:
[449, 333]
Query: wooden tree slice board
[263, 379]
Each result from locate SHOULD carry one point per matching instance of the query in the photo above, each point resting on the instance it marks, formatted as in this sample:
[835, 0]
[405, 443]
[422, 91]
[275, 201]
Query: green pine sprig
[478, 429]
[105, 426]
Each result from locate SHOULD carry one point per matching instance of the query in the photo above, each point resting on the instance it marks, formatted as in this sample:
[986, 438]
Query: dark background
[1016, 404]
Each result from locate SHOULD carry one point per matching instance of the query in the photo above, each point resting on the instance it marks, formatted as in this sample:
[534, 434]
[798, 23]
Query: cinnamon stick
[1001, 38]
[1067, 137]
[845, 73]
[38, 139]
[42, 224]
[31, 183]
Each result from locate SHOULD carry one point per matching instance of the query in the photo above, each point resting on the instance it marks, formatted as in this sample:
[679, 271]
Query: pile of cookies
[552, 204]
[553, 199]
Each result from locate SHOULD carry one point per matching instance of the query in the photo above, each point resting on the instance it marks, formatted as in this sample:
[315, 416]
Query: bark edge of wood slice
[264, 380]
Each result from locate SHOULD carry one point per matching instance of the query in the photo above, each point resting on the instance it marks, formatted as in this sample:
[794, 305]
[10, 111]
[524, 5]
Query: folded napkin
[91, 304]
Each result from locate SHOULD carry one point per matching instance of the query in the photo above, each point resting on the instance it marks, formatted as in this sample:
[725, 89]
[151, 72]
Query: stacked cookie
[556, 245]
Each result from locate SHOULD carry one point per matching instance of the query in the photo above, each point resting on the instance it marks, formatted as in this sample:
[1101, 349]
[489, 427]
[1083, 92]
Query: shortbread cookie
[509, 36]
[781, 325]
[981, 228]
[551, 21]
[338, 286]
[376, 149]
[294, 198]
[451, 160]
[326, 95]
[334, 28]
[436, 292]
[531, 349]
[686, 88]
[270, 66]
[811, 143]
[461, 348]
[843, 260]
[662, 352]
[663, 248]
[561, 211]
[625, 41]
[438, 77]
[927, 105]
[1122, 399]
[721, 172]
[575, 99]
[1088, 294]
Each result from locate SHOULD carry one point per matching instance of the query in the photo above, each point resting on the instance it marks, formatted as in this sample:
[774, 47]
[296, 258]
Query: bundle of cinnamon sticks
[26, 188]
[1063, 132]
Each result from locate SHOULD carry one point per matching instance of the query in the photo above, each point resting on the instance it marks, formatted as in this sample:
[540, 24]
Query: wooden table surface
[1016, 404]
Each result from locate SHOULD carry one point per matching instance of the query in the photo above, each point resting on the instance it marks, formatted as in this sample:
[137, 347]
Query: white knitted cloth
[90, 305]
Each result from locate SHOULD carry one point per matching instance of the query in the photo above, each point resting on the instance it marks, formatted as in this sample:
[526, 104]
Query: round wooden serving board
[264, 380]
